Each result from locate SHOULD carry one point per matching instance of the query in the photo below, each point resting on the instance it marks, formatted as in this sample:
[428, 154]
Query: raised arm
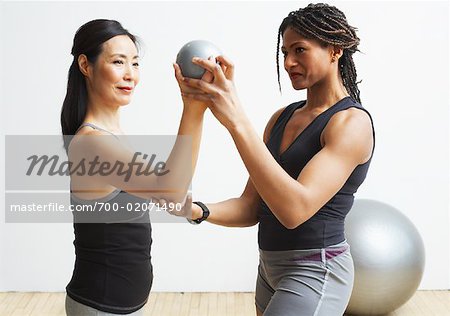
[347, 142]
[241, 211]
[109, 152]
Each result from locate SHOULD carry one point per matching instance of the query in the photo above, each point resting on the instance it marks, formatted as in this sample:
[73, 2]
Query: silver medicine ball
[197, 48]
[388, 254]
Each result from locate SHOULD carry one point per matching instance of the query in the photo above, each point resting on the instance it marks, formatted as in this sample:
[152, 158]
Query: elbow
[292, 220]
[292, 224]
[251, 223]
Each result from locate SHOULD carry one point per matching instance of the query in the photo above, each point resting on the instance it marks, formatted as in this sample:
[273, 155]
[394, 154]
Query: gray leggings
[313, 282]
[73, 308]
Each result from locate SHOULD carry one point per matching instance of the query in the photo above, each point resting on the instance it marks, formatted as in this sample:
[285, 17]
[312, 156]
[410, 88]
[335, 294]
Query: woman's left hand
[220, 94]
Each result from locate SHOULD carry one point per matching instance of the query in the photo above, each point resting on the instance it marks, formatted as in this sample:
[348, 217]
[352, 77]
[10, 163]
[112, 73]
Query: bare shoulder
[350, 130]
[86, 141]
[271, 123]
[354, 117]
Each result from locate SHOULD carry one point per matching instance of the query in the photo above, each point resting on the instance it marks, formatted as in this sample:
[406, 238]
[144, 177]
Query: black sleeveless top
[113, 271]
[326, 227]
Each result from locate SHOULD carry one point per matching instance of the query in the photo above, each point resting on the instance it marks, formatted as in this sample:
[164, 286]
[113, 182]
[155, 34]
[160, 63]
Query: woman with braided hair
[303, 177]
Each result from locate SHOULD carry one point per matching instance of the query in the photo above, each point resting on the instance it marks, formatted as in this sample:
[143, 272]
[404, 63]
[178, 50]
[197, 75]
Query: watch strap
[205, 212]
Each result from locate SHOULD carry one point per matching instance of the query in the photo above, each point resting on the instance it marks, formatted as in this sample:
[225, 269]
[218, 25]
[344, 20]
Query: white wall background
[405, 73]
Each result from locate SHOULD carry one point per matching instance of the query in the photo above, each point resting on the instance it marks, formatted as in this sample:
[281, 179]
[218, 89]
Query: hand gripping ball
[197, 48]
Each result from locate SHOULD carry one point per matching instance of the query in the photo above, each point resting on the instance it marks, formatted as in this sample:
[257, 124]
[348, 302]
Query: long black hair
[328, 25]
[88, 40]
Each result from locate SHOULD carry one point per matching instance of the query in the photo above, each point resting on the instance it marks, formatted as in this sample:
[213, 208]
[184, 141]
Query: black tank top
[113, 271]
[326, 227]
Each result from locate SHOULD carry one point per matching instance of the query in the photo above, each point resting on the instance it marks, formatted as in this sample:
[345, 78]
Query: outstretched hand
[220, 93]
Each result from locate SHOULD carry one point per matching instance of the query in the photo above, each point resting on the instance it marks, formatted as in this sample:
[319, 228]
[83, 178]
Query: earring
[333, 59]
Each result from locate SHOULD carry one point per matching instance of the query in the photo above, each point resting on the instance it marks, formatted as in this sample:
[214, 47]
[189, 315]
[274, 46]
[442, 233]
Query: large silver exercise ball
[388, 254]
[198, 48]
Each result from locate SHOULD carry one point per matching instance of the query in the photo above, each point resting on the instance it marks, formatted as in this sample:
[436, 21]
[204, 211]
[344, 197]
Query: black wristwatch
[204, 216]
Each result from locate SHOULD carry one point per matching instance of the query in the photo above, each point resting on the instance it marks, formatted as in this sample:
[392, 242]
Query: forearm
[278, 190]
[183, 157]
[236, 212]
[192, 125]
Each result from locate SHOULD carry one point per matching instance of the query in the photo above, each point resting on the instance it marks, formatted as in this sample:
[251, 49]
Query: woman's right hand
[184, 88]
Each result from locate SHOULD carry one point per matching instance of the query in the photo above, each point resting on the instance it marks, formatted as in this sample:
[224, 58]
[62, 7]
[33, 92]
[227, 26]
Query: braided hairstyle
[328, 25]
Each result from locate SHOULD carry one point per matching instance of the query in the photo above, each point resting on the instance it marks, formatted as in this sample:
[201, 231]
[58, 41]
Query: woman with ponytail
[113, 272]
[303, 175]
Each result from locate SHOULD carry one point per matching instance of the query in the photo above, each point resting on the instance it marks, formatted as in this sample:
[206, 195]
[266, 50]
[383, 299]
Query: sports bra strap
[95, 127]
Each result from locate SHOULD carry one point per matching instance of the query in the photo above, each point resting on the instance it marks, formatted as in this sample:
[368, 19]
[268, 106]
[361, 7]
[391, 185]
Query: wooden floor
[423, 303]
